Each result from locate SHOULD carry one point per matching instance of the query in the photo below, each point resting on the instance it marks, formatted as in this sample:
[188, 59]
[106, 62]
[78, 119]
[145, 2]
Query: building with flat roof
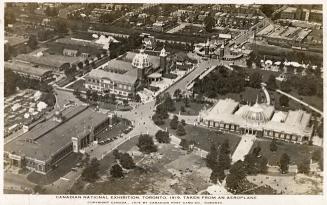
[47, 143]
[260, 119]
[27, 70]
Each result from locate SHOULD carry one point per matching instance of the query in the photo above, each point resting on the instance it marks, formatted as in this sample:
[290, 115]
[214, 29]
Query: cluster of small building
[285, 36]
[304, 14]
[261, 120]
[42, 63]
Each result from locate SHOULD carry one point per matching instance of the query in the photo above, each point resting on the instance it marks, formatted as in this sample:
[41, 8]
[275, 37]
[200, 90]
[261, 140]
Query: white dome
[255, 114]
[141, 60]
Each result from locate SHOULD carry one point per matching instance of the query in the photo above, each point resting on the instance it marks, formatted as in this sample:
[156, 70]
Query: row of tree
[222, 81]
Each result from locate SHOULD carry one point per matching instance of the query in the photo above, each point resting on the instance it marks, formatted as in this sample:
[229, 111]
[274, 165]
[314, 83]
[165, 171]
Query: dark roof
[49, 137]
[119, 65]
[26, 68]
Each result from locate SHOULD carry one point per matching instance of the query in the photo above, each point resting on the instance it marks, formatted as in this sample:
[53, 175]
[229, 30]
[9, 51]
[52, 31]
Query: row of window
[107, 84]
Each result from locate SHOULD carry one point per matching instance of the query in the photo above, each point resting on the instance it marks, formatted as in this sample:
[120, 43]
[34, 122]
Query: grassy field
[205, 137]
[193, 109]
[297, 152]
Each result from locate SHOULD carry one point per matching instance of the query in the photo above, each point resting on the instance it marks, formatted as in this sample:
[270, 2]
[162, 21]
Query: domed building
[261, 120]
[124, 75]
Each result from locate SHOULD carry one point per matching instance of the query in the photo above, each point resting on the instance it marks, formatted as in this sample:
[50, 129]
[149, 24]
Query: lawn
[204, 137]
[315, 101]
[297, 152]
[193, 109]
[79, 84]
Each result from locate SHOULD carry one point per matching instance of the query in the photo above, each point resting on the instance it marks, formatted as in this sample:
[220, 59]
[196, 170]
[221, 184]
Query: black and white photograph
[153, 98]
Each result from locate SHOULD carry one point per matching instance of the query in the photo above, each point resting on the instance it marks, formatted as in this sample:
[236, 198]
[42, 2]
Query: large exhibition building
[122, 76]
[42, 147]
[261, 120]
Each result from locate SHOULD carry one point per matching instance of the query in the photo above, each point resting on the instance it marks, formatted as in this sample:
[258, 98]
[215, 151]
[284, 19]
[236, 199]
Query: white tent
[15, 107]
[41, 106]
[37, 95]
[26, 115]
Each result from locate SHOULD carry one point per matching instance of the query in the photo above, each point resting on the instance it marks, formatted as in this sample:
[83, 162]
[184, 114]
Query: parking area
[114, 132]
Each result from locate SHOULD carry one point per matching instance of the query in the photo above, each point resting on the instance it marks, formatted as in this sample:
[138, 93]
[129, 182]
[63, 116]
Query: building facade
[44, 146]
[260, 119]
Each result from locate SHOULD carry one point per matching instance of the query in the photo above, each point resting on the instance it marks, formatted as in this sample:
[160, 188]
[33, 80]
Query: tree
[182, 108]
[157, 119]
[283, 101]
[169, 103]
[212, 157]
[60, 26]
[10, 81]
[51, 12]
[256, 151]
[32, 42]
[177, 94]
[116, 171]
[237, 174]
[180, 130]
[184, 144]
[90, 173]
[316, 155]
[304, 167]
[286, 86]
[125, 102]
[273, 146]
[146, 144]
[134, 40]
[174, 122]
[162, 137]
[224, 160]
[209, 23]
[271, 83]
[126, 161]
[137, 98]
[255, 80]
[283, 163]
[116, 154]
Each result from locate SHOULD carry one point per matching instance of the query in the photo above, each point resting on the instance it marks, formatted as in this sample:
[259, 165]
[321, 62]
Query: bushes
[162, 137]
[116, 171]
[146, 144]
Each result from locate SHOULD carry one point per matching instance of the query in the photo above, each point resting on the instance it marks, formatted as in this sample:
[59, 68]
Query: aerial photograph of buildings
[163, 99]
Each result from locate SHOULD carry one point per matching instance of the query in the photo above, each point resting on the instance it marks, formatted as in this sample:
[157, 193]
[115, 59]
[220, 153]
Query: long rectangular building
[260, 119]
[49, 142]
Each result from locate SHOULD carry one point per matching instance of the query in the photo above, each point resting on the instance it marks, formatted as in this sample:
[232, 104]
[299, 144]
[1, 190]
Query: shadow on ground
[61, 170]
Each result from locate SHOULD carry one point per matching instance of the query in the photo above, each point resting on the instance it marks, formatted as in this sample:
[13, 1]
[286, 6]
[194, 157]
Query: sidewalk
[243, 148]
